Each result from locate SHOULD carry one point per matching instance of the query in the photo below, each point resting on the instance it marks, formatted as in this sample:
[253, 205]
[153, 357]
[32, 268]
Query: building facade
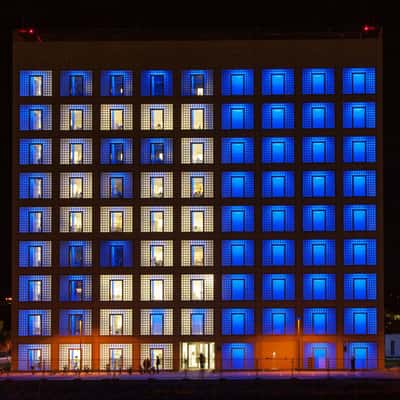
[197, 199]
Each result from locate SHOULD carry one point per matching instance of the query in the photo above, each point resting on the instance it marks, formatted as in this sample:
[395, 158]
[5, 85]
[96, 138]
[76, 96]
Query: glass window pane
[157, 289]
[116, 290]
[358, 82]
[359, 185]
[319, 254]
[75, 256]
[197, 324]
[76, 85]
[278, 152]
[237, 118]
[35, 120]
[197, 254]
[237, 221]
[35, 85]
[35, 221]
[237, 186]
[360, 254]
[359, 151]
[157, 119]
[157, 221]
[156, 324]
[116, 324]
[35, 153]
[278, 289]
[76, 119]
[278, 324]
[318, 152]
[157, 153]
[359, 220]
[238, 289]
[318, 117]
[360, 289]
[157, 187]
[197, 186]
[277, 84]
[197, 221]
[318, 83]
[117, 187]
[277, 118]
[75, 188]
[197, 119]
[116, 85]
[35, 188]
[197, 85]
[35, 290]
[76, 153]
[197, 289]
[157, 85]
[238, 322]
[116, 221]
[117, 119]
[319, 323]
[360, 323]
[75, 221]
[237, 84]
[278, 186]
[237, 152]
[197, 152]
[237, 254]
[318, 186]
[319, 289]
[35, 256]
[117, 256]
[278, 254]
[157, 256]
[116, 153]
[278, 218]
[318, 220]
[359, 117]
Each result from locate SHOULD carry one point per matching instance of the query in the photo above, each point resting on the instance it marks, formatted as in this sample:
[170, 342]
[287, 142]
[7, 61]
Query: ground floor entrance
[193, 352]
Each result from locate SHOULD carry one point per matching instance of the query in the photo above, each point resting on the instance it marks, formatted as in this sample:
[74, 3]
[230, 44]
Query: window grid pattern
[208, 222]
[318, 115]
[105, 82]
[146, 84]
[284, 86]
[65, 151]
[230, 356]
[278, 252]
[227, 286]
[208, 146]
[232, 155]
[146, 256]
[311, 290]
[278, 287]
[64, 321]
[65, 294]
[65, 363]
[227, 321]
[25, 84]
[24, 151]
[187, 122]
[229, 88]
[369, 80]
[186, 320]
[146, 219]
[145, 184]
[86, 218]
[359, 149]
[328, 348]
[25, 189]
[359, 252]
[319, 218]
[23, 322]
[365, 222]
[319, 252]
[65, 117]
[245, 258]
[23, 356]
[127, 320]
[106, 188]
[65, 247]
[145, 286]
[106, 362]
[24, 253]
[318, 149]
[246, 113]
[318, 183]
[145, 321]
[270, 327]
[65, 185]
[106, 253]
[278, 219]
[186, 289]
[318, 81]
[24, 287]
[87, 84]
[228, 222]
[186, 252]
[146, 122]
[278, 184]
[208, 183]
[278, 116]
[24, 224]
[359, 183]
[309, 327]
[146, 154]
[105, 218]
[368, 324]
[106, 123]
[351, 292]
[105, 287]
[25, 123]
[105, 150]
[237, 184]
[167, 352]
[278, 149]
[371, 362]
[208, 79]
[359, 115]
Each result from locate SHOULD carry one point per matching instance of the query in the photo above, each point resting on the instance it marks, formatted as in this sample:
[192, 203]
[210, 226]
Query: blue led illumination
[359, 81]
[69, 285]
[109, 182]
[156, 83]
[35, 151]
[76, 253]
[319, 287]
[76, 83]
[359, 217]
[319, 218]
[277, 150]
[237, 356]
[35, 253]
[35, 117]
[116, 83]
[319, 321]
[278, 116]
[34, 323]
[237, 253]
[237, 184]
[35, 185]
[278, 287]
[318, 149]
[34, 357]
[237, 287]
[359, 149]
[360, 321]
[278, 184]
[157, 150]
[237, 116]
[319, 355]
[116, 253]
[278, 321]
[359, 115]
[278, 253]
[318, 183]
[318, 81]
[35, 219]
[237, 82]
[360, 286]
[197, 82]
[69, 322]
[277, 82]
[116, 151]
[237, 219]
[237, 150]
[318, 115]
[33, 288]
[359, 183]
[365, 355]
[319, 252]
[35, 83]
[237, 321]
[278, 219]
[359, 252]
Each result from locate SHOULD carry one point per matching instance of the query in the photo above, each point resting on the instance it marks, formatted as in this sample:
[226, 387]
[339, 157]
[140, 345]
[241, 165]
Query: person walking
[158, 363]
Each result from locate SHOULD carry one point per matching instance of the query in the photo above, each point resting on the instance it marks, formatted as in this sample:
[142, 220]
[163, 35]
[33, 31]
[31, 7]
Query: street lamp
[298, 342]
[80, 345]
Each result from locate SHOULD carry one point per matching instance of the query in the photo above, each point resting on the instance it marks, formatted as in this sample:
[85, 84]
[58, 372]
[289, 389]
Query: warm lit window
[75, 221]
[116, 290]
[34, 290]
[116, 324]
[157, 186]
[197, 221]
[117, 119]
[156, 289]
[75, 188]
[197, 289]
[76, 120]
[116, 359]
[74, 359]
[156, 256]
[157, 118]
[76, 153]
[116, 221]
[197, 255]
[35, 221]
[157, 221]
[197, 118]
[35, 188]
[197, 153]
[116, 187]
[197, 186]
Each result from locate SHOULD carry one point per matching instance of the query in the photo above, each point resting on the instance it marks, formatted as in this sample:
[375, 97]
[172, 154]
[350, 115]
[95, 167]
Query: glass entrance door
[320, 358]
[190, 355]
[74, 359]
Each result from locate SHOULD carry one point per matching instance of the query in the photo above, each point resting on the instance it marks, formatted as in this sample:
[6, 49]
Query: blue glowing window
[156, 83]
[237, 184]
[237, 118]
[156, 324]
[359, 81]
[238, 289]
[359, 115]
[238, 324]
[278, 323]
[237, 82]
[278, 184]
[237, 150]
[278, 219]
[318, 81]
[197, 324]
[278, 150]
[360, 289]
[318, 149]
[237, 217]
[318, 183]
[238, 358]
[359, 183]
[319, 323]
[237, 253]
[278, 252]
[278, 289]
[360, 252]
[360, 321]
[319, 286]
[360, 217]
[278, 116]
[277, 82]
[319, 289]
[318, 218]
[359, 286]
[197, 83]
[319, 252]
[318, 115]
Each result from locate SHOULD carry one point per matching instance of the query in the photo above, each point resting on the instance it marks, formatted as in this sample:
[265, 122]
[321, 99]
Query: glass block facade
[236, 213]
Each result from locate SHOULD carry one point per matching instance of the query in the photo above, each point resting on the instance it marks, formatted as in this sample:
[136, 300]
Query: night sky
[334, 16]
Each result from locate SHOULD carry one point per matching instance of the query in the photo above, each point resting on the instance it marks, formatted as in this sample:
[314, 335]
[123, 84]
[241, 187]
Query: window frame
[152, 247]
[243, 247]
[283, 75]
[322, 245]
[192, 263]
[202, 152]
[112, 112]
[70, 325]
[30, 263]
[194, 281]
[152, 181]
[192, 112]
[73, 85]
[75, 111]
[197, 314]
[231, 112]
[276, 245]
[116, 161]
[201, 194]
[152, 281]
[31, 296]
[243, 77]
[243, 315]
[152, 119]
[154, 84]
[114, 77]
[38, 179]
[243, 281]
[243, 144]
[31, 328]
[199, 212]
[71, 295]
[40, 146]
[32, 77]
[151, 323]
[40, 214]
[324, 119]
[75, 248]
[111, 217]
[70, 218]
[111, 324]
[71, 152]
[153, 152]
[284, 323]
[284, 280]
[111, 186]
[193, 84]
[324, 75]
[78, 179]
[313, 314]
[313, 289]
[243, 178]
[152, 222]
[111, 289]
[114, 248]
[32, 111]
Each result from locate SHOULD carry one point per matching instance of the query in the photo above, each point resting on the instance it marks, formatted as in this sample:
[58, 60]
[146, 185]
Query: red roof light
[368, 28]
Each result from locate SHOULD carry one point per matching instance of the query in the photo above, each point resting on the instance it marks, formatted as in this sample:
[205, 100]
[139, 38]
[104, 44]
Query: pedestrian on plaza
[158, 363]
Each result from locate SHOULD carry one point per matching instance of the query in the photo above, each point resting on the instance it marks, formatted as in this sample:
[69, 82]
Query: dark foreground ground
[152, 389]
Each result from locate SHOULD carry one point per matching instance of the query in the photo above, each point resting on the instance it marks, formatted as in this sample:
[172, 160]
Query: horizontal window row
[194, 321]
[234, 356]
[234, 116]
[198, 253]
[235, 287]
[199, 82]
[234, 150]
